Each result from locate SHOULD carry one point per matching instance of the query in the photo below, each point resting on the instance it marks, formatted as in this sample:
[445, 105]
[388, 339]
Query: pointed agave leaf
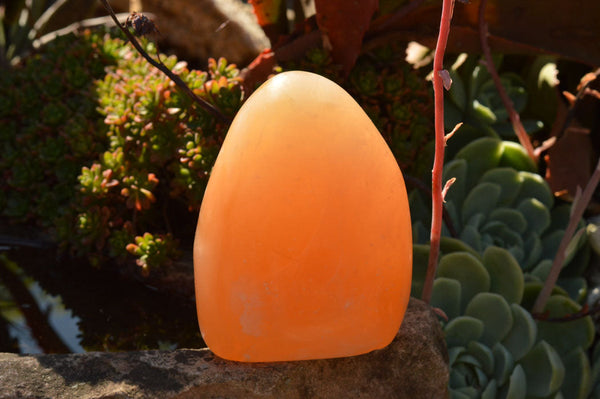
[522, 336]
[469, 271]
[578, 375]
[563, 336]
[506, 277]
[446, 296]
[507, 178]
[482, 199]
[503, 363]
[493, 310]
[462, 330]
[544, 370]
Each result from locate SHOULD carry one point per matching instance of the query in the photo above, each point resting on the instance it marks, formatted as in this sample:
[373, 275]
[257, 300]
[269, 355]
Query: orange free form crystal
[303, 245]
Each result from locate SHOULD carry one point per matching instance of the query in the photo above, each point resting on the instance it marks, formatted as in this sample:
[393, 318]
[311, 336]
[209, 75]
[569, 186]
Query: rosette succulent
[497, 200]
[496, 348]
[473, 99]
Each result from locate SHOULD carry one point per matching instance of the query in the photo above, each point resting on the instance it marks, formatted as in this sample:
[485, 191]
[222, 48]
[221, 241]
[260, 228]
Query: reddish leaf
[271, 17]
[258, 71]
[343, 24]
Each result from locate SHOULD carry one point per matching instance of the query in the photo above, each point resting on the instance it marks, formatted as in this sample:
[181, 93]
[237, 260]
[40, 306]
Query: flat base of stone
[413, 366]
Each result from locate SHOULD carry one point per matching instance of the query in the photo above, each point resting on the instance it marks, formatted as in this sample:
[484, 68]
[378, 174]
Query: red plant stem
[579, 207]
[514, 117]
[437, 200]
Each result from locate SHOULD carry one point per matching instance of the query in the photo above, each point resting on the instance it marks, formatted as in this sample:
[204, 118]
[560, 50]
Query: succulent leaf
[495, 313]
[469, 271]
[446, 296]
[462, 330]
[506, 277]
[544, 370]
[522, 336]
[562, 335]
[503, 363]
[578, 374]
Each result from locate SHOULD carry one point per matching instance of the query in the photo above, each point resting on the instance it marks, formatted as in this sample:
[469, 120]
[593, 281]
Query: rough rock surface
[413, 366]
[198, 29]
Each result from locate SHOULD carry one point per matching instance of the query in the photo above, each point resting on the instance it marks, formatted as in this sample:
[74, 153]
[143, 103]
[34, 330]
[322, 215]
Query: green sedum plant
[104, 152]
[497, 200]
[138, 195]
[496, 348]
[49, 126]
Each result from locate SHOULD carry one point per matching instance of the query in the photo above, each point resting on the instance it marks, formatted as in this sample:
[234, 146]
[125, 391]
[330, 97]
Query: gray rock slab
[414, 365]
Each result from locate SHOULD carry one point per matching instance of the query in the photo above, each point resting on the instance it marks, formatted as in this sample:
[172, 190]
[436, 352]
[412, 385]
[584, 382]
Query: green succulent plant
[473, 100]
[496, 348]
[497, 200]
[49, 126]
[98, 147]
[161, 148]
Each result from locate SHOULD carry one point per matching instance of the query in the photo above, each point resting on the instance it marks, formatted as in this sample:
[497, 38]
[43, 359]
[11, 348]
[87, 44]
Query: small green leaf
[494, 312]
[506, 277]
[483, 354]
[563, 336]
[507, 178]
[578, 382]
[503, 363]
[481, 199]
[544, 370]
[522, 336]
[536, 213]
[513, 219]
[446, 296]
[469, 271]
[534, 186]
[490, 390]
[462, 330]
[516, 388]
[482, 154]
[515, 156]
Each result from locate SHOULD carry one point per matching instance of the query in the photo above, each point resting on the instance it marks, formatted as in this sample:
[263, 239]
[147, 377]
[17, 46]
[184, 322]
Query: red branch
[437, 200]
[515, 119]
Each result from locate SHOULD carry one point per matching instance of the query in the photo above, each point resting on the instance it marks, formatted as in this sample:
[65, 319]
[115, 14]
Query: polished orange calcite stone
[303, 245]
